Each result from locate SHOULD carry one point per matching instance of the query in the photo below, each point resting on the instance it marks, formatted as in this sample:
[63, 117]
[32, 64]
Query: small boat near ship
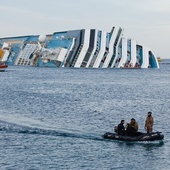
[3, 66]
[130, 67]
[154, 136]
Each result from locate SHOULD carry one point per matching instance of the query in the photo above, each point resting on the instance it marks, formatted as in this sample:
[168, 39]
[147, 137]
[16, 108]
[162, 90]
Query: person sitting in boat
[132, 128]
[121, 128]
[149, 123]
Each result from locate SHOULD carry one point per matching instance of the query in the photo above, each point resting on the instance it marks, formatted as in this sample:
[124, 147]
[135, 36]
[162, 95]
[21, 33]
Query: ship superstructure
[87, 48]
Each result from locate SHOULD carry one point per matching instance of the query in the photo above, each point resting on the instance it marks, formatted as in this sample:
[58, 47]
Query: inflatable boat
[138, 137]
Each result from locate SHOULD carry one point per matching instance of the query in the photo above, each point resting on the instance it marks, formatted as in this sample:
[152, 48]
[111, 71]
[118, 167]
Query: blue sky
[146, 21]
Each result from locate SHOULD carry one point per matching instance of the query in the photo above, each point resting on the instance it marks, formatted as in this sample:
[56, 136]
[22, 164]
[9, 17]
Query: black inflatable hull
[142, 137]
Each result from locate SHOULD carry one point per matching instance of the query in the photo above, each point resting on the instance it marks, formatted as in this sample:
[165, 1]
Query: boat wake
[9, 127]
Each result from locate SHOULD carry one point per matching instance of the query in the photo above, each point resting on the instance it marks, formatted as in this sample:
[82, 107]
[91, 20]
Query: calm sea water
[55, 118]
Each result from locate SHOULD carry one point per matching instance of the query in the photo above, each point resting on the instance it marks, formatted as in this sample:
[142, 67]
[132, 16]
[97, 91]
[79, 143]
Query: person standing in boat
[149, 123]
[121, 128]
[132, 128]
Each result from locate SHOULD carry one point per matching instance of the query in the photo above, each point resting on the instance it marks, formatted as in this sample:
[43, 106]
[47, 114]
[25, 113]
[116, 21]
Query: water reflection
[147, 145]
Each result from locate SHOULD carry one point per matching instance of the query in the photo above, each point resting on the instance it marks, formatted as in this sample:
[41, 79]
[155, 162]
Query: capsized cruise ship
[87, 48]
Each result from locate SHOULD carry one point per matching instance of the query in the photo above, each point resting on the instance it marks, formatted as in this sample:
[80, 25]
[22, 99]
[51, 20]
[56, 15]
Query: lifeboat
[3, 66]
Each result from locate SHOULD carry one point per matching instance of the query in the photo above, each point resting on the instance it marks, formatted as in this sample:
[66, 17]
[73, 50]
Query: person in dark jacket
[121, 128]
[132, 128]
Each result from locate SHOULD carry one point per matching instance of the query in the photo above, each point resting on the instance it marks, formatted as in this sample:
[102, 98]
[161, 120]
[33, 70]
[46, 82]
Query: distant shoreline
[164, 61]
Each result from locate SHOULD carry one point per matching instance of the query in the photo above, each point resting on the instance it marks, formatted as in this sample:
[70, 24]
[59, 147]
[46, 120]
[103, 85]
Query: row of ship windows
[23, 62]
